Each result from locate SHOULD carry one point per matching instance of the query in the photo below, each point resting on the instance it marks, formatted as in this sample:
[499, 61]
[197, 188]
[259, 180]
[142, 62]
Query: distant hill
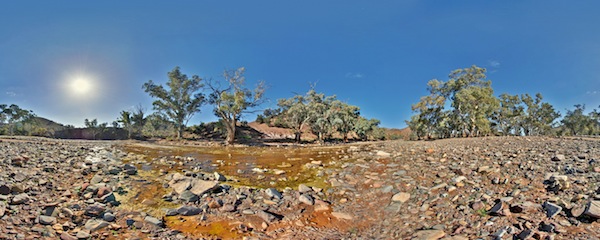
[49, 124]
[395, 133]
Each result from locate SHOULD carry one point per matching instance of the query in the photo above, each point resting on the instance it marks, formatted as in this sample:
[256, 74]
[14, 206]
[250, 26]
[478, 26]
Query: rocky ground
[483, 188]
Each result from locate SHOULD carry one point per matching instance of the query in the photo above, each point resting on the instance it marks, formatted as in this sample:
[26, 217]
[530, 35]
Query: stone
[551, 209]
[500, 209]
[180, 183]
[273, 193]
[267, 216]
[429, 234]
[83, 235]
[341, 215]
[153, 220]
[95, 224]
[20, 199]
[200, 187]
[220, 177]
[401, 197]
[189, 211]
[109, 217]
[188, 196]
[130, 169]
[525, 234]
[558, 157]
[2, 208]
[94, 210]
[109, 198]
[47, 220]
[306, 199]
[593, 209]
[4, 189]
[383, 154]
[67, 236]
[303, 188]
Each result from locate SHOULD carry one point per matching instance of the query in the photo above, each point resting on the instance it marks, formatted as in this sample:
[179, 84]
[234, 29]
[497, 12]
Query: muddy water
[260, 167]
[250, 166]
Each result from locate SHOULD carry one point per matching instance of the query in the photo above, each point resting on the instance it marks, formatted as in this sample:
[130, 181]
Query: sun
[81, 86]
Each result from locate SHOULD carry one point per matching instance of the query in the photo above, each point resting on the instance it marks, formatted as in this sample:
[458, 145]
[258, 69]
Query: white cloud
[494, 63]
[354, 75]
[11, 94]
[592, 92]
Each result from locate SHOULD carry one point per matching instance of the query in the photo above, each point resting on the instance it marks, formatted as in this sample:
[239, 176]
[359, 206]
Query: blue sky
[377, 55]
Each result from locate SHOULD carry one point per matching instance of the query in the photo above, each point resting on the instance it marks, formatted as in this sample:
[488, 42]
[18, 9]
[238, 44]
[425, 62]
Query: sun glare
[81, 86]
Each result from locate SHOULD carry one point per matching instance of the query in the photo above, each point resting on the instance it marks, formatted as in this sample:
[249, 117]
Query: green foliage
[475, 111]
[13, 118]
[368, 128]
[234, 100]
[180, 101]
[157, 125]
[578, 123]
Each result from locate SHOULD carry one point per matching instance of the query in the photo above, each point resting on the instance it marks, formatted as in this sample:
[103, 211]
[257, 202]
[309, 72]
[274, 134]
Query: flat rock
[429, 235]
[273, 193]
[552, 209]
[199, 187]
[153, 220]
[189, 211]
[306, 199]
[95, 224]
[341, 215]
[267, 216]
[303, 188]
[20, 199]
[47, 220]
[188, 196]
[401, 197]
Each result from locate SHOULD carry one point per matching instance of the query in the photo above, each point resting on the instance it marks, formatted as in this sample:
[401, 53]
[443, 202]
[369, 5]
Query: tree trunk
[230, 133]
[179, 132]
[297, 137]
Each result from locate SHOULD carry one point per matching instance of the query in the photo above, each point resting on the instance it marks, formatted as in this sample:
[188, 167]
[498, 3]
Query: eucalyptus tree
[295, 114]
[365, 128]
[508, 117]
[471, 97]
[576, 121]
[126, 122]
[344, 117]
[539, 116]
[233, 100]
[180, 101]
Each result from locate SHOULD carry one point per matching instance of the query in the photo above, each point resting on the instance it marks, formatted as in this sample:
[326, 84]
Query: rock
[525, 234]
[593, 209]
[20, 199]
[130, 169]
[94, 210]
[459, 179]
[109, 217]
[551, 209]
[340, 215]
[180, 183]
[188, 196]
[500, 209]
[4, 189]
[267, 216]
[401, 197]
[306, 199]
[109, 198]
[558, 158]
[95, 224]
[67, 236]
[83, 235]
[228, 208]
[153, 220]
[383, 154]
[199, 187]
[188, 211]
[47, 220]
[273, 193]
[2, 208]
[219, 177]
[429, 235]
[303, 188]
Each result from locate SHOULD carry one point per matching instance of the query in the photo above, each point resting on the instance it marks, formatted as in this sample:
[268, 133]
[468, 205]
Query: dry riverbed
[484, 188]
